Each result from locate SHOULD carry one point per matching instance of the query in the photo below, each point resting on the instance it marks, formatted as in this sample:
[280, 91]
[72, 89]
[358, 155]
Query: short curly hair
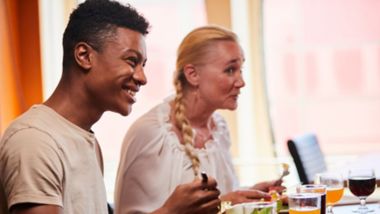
[96, 20]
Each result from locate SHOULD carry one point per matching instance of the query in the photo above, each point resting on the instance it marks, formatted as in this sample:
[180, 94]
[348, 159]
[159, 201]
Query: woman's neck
[197, 112]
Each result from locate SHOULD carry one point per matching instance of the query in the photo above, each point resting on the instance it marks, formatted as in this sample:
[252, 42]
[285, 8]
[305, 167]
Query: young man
[50, 159]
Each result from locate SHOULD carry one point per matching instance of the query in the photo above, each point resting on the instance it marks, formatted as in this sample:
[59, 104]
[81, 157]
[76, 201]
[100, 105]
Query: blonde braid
[185, 128]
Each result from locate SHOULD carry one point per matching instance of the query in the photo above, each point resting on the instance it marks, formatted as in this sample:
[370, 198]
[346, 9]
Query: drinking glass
[315, 188]
[305, 203]
[362, 183]
[334, 188]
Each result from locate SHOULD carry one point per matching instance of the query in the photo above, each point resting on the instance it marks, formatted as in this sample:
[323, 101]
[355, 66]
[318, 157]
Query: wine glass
[334, 188]
[362, 183]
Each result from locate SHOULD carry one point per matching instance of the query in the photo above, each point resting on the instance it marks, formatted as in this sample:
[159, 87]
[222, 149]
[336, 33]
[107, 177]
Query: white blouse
[153, 162]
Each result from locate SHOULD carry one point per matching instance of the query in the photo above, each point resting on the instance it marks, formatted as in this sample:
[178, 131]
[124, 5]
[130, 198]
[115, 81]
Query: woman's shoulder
[150, 127]
[219, 121]
[149, 134]
[221, 131]
[154, 119]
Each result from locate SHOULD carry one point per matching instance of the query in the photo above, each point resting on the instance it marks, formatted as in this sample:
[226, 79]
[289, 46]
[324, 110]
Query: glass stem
[362, 203]
[329, 209]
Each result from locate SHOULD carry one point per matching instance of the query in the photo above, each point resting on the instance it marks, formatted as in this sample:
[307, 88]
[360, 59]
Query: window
[322, 61]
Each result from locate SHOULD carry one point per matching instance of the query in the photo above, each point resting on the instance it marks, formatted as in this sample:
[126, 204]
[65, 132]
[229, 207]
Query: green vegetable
[267, 210]
[279, 205]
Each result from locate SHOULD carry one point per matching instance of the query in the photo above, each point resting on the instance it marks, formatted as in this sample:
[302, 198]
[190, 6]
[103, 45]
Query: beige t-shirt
[46, 159]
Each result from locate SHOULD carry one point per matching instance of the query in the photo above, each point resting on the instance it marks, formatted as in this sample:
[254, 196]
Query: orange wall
[30, 55]
[20, 62]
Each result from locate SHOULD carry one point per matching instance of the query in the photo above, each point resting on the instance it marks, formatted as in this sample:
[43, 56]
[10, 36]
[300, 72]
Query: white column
[51, 32]
[246, 126]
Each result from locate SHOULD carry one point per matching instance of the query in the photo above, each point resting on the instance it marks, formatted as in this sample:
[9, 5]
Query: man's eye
[132, 62]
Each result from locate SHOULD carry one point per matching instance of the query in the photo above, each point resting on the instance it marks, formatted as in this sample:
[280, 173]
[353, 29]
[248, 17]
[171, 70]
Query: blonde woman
[176, 140]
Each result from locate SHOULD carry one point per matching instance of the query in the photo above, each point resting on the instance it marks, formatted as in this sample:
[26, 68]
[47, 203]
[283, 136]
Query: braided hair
[192, 50]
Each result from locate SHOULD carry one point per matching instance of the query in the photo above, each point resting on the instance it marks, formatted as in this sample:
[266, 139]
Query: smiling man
[50, 159]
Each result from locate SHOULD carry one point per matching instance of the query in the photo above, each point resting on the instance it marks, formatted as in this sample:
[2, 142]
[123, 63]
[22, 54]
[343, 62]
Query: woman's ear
[191, 74]
[83, 54]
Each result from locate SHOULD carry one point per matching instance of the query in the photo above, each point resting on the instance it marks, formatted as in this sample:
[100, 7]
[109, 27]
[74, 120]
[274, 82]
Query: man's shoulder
[31, 118]
[35, 123]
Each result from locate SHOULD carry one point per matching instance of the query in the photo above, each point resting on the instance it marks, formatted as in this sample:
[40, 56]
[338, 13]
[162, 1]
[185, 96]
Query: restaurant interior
[311, 101]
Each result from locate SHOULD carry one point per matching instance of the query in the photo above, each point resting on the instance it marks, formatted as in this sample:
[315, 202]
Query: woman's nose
[240, 81]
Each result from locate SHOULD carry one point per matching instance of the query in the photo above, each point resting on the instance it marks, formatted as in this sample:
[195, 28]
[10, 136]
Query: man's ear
[191, 74]
[83, 54]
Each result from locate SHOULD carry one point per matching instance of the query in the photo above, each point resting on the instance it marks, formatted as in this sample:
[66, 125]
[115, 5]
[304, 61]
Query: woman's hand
[242, 196]
[267, 186]
[195, 197]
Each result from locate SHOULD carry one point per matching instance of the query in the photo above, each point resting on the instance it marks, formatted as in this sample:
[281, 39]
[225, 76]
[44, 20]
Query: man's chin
[125, 114]
[126, 111]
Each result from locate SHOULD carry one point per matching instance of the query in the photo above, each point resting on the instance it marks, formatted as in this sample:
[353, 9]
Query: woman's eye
[230, 70]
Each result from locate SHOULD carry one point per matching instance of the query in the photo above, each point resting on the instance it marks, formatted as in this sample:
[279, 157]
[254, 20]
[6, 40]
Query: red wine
[362, 186]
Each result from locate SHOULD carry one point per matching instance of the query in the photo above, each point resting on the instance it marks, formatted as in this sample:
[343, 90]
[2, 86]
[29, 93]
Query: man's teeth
[132, 93]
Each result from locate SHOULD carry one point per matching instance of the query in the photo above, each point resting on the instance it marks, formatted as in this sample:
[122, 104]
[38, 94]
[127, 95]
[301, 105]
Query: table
[349, 202]
[347, 209]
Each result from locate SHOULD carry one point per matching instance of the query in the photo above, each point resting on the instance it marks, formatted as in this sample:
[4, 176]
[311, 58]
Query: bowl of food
[265, 207]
